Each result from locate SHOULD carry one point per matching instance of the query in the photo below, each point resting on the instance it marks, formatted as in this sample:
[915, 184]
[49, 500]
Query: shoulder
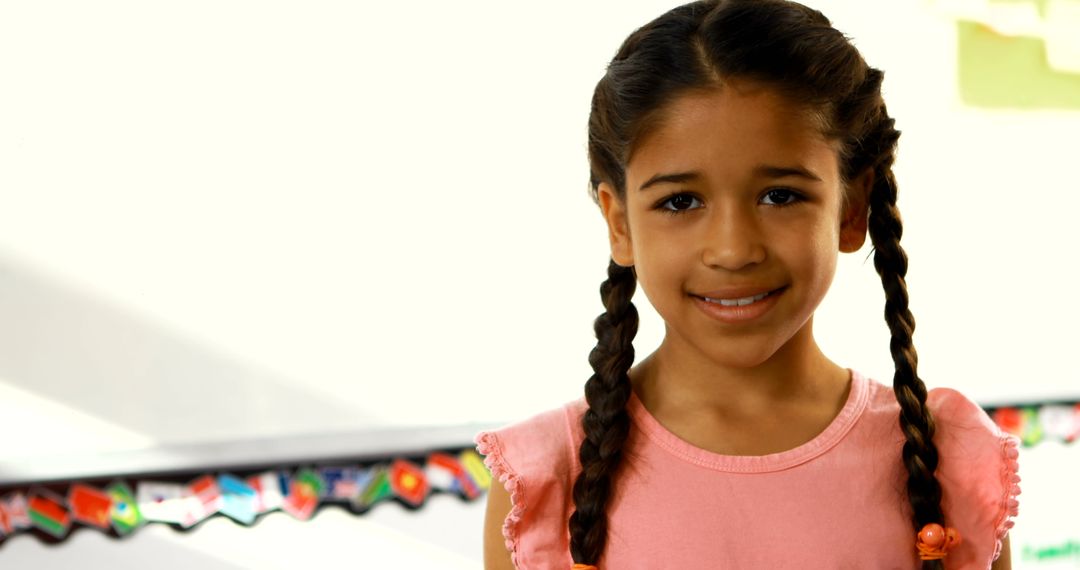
[977, 466]
[958, 420]
[545, 431]
[536, 446]
[535, 461]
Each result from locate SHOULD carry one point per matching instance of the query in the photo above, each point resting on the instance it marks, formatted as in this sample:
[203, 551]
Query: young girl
[736, 147]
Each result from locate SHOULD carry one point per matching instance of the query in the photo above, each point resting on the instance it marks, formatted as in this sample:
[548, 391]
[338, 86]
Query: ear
[856, 211]
[618, 227]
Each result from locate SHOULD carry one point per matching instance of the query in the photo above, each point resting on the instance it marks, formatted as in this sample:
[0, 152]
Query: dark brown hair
[796, 51]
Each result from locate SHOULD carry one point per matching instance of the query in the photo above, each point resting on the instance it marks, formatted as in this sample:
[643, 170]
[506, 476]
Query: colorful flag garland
[119, 510]
[1037, 423]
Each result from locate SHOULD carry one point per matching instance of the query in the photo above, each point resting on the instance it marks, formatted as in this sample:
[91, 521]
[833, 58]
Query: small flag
[90, 506]
[441, 470]
[376, 485]
[408, 482]
[167, 503]
[6, 526]
[207, 496]
[1033, 428]
[47, 512]
[238, 499]
[5, 522]
[463, 483]
[1060, 422]
[339, 483]
[1009, 420]
[303, 495]
[125, 513]
[18, 514]
[268, 493]
[475, 468]
[445, 473]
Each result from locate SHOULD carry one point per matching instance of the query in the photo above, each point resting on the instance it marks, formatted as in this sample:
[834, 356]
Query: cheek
[824, 235]
[820, 263]
[658, 264]
[812, 251]
[662, 262]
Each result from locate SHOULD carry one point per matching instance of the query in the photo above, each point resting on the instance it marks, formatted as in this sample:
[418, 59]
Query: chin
[739, 355]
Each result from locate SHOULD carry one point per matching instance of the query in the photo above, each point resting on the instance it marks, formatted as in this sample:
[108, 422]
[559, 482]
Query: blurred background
[300, 222]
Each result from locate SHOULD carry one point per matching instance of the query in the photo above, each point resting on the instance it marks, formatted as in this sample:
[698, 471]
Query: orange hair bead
[583, 567]
[934, 541]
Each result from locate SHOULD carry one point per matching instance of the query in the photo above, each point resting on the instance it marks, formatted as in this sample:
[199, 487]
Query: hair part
[795, 50]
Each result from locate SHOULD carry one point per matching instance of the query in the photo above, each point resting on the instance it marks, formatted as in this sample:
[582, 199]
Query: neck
[678, 377]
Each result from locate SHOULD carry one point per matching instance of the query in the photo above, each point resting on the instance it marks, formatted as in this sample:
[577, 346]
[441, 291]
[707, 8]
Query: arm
[496, 556]
[1004, 561]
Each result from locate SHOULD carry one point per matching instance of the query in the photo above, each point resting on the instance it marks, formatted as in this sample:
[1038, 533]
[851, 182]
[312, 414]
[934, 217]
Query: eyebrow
[785, 171]
[763, 170]
[674, 178]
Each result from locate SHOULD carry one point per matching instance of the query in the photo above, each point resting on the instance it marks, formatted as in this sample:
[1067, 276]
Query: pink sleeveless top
[837, 501]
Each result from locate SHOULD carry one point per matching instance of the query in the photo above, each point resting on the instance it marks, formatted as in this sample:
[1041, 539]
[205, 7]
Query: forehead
[728, 132]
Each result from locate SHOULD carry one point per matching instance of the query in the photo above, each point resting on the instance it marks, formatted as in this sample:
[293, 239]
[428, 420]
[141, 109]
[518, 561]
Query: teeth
[737, 302]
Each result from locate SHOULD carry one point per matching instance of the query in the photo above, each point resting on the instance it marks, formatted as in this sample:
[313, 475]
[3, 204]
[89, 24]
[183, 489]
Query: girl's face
[734, 194]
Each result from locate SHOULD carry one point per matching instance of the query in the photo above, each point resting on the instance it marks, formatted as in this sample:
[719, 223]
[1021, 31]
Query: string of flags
[1037, 423]
[120, 509]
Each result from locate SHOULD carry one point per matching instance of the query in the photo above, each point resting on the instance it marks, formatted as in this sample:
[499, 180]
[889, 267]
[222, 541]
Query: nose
[733, 239]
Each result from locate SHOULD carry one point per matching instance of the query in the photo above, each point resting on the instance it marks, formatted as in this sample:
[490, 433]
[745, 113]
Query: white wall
[379, 211]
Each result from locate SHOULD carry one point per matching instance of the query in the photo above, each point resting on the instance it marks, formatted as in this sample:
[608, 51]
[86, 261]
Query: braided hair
[795, 50]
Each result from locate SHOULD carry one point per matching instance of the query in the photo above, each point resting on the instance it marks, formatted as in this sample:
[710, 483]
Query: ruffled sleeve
[533, 459]
[979, 475]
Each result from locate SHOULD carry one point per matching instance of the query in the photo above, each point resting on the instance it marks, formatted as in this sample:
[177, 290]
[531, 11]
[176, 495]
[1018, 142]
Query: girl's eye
[781, 197]
[679, 203]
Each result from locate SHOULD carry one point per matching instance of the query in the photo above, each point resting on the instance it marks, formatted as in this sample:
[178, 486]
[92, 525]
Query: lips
[732, 293]
[739, 314]
[739, 302]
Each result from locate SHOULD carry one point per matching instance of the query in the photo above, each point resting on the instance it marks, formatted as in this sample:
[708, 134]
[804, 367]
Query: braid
[606, 422]
[920, 455]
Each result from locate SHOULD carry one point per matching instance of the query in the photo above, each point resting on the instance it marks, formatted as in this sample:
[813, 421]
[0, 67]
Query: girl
[736, 146]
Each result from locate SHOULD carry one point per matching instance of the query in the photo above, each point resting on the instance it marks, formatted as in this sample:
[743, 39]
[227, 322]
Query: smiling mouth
[739, 302]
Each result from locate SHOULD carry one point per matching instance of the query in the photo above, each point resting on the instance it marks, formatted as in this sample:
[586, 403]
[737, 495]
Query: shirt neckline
[858, 395]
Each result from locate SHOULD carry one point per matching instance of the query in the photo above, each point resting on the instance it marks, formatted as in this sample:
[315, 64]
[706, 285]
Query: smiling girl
[736, 148]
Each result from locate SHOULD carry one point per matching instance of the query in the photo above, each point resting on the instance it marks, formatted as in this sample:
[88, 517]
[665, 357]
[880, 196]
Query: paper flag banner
[376, 488]
[18, 515]
[125, 513]
[268, 493]
[90, 506]
[408, 482]
[474, 466]
[1033, 424]
[238, 499]
[303, 495]
[243, 499]
[47, 512]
